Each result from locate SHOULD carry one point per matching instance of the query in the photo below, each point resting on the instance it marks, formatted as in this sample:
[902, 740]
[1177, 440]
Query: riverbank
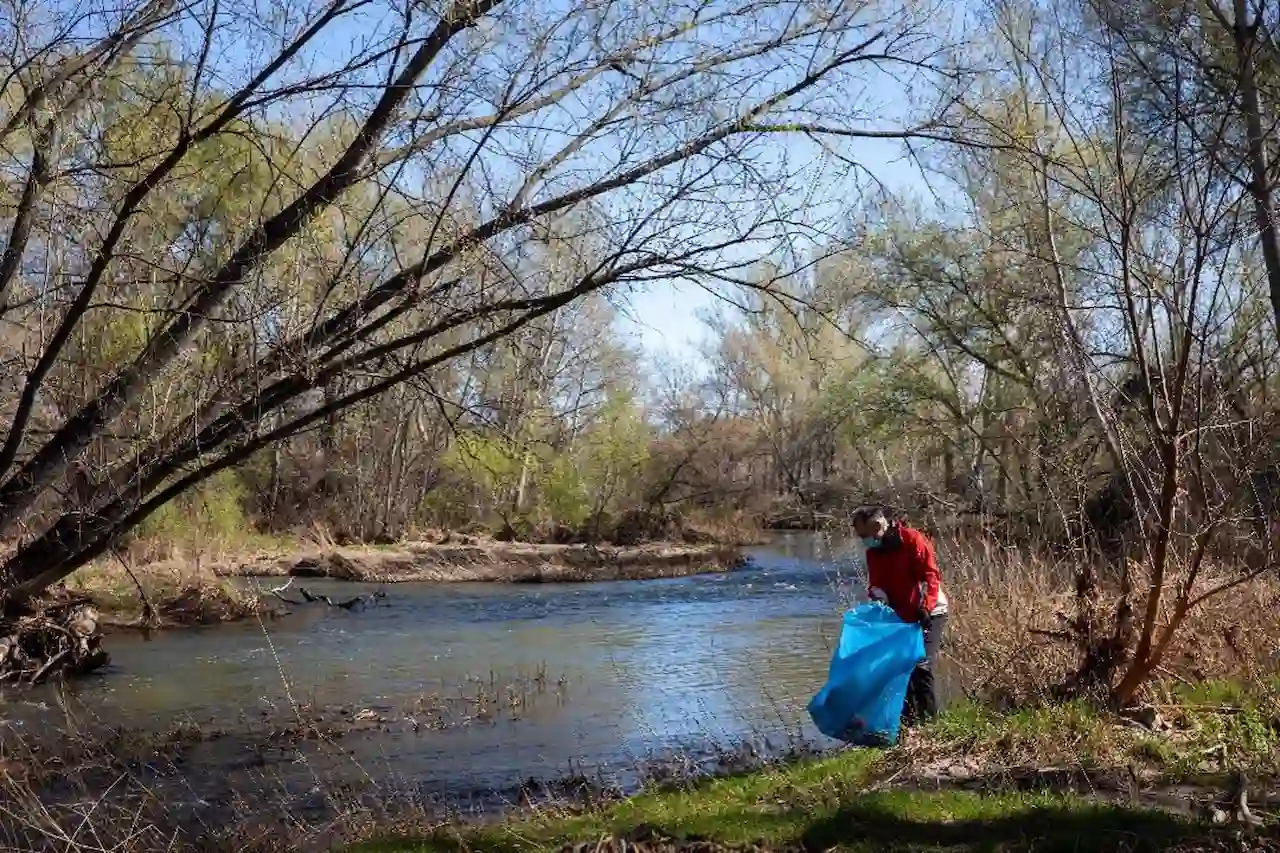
[1197, 774]
[654, 668]
[183, 591]
[334, 726]
[472, 560]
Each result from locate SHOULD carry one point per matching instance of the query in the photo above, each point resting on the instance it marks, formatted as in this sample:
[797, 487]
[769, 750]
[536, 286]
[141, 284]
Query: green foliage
[211, 514]
[109, 336]
[564, 492]
[492, 464]
[570, 486]
[1234, 725]
[613, 451]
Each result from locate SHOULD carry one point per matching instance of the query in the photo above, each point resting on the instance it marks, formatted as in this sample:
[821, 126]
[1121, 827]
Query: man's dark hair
[868, 514]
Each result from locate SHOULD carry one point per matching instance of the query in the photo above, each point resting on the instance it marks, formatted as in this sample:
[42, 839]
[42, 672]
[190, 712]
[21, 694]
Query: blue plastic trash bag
[861, 703]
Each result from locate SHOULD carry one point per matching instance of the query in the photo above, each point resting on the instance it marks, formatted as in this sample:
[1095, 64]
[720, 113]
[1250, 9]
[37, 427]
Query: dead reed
[1007, 643]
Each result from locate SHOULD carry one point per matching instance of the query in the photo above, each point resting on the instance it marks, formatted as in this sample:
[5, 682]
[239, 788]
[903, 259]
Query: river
[478, 687]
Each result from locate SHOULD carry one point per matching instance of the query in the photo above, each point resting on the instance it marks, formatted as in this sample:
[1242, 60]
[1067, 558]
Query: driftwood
[56, 638]
[311, 598]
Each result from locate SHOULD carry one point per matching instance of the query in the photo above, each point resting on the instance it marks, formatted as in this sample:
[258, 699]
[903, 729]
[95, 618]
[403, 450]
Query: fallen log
[345, 604]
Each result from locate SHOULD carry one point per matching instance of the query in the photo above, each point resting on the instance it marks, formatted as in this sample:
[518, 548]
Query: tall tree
[472, 123]
[1211, 68]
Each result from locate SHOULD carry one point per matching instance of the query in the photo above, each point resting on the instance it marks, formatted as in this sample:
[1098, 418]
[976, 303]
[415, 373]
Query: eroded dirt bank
[476, 561]
[183, 591]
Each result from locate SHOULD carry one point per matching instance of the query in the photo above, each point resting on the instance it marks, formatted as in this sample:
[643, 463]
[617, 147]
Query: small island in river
[475, 560]
[179, 590]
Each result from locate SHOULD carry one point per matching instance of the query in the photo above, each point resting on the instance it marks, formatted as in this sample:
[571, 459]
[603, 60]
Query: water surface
[605, 674]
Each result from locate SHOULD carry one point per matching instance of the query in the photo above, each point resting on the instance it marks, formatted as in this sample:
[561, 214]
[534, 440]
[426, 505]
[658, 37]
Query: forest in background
[254, 284]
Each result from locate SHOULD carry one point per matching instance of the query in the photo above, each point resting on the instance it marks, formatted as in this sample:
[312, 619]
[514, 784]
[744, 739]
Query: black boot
[922, 701]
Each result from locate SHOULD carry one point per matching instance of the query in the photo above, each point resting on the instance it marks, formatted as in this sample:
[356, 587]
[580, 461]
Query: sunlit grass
[826, 805]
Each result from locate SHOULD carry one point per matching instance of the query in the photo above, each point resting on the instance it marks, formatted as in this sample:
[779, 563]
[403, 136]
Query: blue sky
[666, 318]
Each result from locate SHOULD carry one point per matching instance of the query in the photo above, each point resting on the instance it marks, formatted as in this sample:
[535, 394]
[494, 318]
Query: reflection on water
[645, 666]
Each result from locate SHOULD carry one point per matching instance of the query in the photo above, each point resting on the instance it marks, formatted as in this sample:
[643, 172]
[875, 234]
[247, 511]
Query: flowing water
[595, 677]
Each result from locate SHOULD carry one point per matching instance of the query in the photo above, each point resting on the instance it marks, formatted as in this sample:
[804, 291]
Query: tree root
[1240, 800]
[56, 639]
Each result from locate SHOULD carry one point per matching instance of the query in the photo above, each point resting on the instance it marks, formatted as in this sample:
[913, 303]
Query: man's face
[871, 531]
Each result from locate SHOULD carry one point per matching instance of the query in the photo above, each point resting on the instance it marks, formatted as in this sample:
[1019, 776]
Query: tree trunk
[329, 444]
[1260, 187]
[1003, 477]
[273, 495]
[526, 456]
[393, 513]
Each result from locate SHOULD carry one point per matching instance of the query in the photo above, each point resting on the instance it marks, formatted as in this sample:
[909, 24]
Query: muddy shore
[490, 562]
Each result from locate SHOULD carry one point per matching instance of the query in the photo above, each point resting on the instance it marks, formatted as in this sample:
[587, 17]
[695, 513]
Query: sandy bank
[182, 591]
[486, 561]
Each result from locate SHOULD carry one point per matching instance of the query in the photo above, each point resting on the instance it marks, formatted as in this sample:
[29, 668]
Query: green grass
[1074, 728]
[1208, 728]
[834, 804]
[825, 805]
[1237, 723]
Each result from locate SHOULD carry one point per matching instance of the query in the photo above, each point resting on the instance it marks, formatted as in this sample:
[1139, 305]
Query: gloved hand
[923, 617]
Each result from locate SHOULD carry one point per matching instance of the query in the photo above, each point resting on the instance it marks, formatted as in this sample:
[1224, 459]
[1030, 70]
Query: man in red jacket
[902, 572]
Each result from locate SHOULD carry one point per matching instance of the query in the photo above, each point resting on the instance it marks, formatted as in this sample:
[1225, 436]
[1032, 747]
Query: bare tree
[1227, 52]
[1144, 319]
[359, 218]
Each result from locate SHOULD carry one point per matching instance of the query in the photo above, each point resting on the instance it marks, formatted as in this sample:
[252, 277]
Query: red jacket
[907, 573]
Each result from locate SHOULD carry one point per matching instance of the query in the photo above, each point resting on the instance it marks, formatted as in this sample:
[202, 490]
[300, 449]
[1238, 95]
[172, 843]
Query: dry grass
[180, 592]
[1218, 706]
[97, 799]
[1008, 603]
[736, 528]
[75, 782]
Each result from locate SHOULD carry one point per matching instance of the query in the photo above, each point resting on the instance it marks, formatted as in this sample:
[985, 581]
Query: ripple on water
[627, 668]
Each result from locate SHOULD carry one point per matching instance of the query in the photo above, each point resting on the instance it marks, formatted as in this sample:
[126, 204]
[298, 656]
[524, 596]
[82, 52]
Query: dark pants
[922, 692]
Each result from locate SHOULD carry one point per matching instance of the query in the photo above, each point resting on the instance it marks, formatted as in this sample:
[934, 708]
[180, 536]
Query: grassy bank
[1047, 779]
[817, 815]
[822, 806]
[1044, 777]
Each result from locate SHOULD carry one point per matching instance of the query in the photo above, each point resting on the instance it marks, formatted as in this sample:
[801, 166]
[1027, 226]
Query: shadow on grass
[817, 812]
[875, 823]
[884, 825]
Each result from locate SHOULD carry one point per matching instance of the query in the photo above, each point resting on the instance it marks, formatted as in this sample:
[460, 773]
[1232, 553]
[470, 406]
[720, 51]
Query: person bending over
[902, 572]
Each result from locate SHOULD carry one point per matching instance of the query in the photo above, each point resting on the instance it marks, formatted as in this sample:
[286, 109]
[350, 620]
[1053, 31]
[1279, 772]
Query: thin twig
[148, 617]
